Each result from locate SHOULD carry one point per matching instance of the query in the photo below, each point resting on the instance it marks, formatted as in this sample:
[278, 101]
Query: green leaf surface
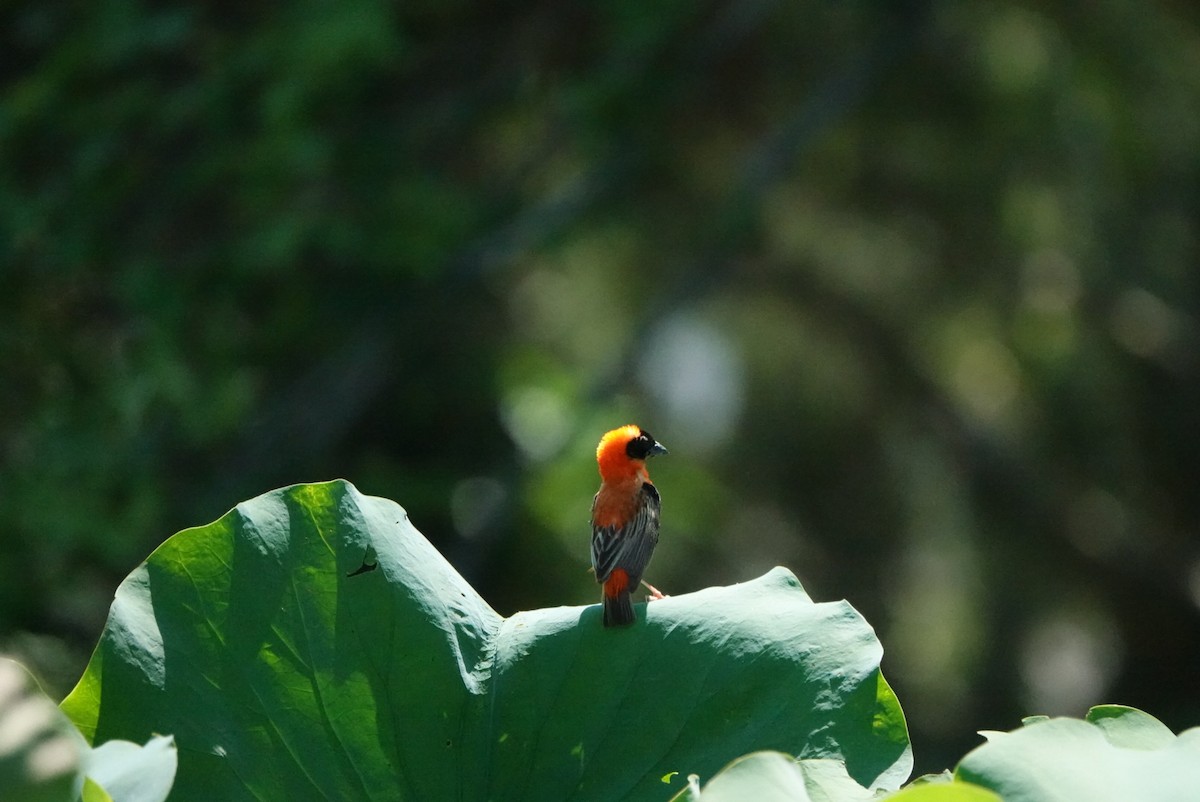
[1130, 727]
[1118, 754]
[943, 792]
[92, 792]
[312, 644]
[40, 752]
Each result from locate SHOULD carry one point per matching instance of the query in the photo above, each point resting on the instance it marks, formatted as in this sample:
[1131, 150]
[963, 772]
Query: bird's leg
[655, 593]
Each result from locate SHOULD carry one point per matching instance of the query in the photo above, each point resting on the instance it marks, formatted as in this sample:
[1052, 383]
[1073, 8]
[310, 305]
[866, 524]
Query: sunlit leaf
[288, 668]
[1117, 754]
[943, 792]
[131, 773]
[775, 777]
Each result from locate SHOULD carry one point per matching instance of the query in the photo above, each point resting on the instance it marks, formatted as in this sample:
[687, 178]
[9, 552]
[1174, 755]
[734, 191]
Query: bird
[625, 519]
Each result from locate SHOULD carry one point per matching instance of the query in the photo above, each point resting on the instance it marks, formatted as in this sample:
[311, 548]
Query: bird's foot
[655, 594]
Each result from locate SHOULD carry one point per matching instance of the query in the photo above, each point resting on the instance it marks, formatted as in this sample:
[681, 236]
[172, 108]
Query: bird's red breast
[616, 503]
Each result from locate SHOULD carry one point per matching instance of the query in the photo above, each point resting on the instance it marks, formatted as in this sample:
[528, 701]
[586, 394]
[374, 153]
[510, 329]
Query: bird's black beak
[658, 448]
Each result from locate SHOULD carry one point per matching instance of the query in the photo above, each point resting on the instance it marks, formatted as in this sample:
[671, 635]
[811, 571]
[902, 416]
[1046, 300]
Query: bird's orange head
[622, 453]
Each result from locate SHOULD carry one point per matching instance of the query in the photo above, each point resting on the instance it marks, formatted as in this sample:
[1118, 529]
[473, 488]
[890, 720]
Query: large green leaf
[1117, 754]
[312, 644]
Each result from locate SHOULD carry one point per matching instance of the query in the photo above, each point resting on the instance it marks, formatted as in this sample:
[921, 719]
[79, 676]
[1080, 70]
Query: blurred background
[909, 289]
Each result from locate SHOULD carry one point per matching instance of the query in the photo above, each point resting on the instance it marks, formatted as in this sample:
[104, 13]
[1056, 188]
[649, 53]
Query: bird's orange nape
[612, 457]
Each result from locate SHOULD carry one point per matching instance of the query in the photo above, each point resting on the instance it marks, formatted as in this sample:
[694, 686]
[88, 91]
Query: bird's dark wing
[631, 546]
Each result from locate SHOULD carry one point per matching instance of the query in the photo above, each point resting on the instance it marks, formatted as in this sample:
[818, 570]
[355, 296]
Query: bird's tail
[618, 609]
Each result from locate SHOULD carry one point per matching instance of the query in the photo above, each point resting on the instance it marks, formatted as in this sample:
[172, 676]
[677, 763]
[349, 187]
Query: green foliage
[312, 643]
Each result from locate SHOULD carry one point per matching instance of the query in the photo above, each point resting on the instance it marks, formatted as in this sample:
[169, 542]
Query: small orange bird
[624, 519]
